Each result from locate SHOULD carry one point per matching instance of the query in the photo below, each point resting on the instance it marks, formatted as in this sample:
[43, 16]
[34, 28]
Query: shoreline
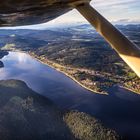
[34, 56]
[129, 89]
[66, 74]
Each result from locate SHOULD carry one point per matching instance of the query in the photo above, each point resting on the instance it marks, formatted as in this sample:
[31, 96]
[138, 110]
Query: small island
[1, 64]
[3, 53]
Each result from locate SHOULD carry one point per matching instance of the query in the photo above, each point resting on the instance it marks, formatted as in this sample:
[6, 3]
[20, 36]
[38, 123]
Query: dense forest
[25, 114]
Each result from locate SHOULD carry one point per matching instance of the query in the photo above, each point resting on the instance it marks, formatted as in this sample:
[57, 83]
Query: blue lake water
[119, 110]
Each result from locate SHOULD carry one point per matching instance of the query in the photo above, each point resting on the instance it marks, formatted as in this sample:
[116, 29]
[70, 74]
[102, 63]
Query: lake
[119, 110]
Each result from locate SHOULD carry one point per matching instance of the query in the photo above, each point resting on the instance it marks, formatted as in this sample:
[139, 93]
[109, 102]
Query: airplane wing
[29, 12]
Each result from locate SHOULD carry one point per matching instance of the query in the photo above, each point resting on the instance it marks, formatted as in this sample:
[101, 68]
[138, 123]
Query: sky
[116, 11]
[113, 10]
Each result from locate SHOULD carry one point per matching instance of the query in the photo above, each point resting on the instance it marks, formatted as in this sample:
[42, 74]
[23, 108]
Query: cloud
[114, 3]
[126, 21]
[120, 11]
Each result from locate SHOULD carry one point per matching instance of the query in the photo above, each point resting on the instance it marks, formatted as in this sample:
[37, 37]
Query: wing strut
[129, 52]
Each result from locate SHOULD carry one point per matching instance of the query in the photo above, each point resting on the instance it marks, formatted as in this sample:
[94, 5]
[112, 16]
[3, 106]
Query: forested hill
[24, 114]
